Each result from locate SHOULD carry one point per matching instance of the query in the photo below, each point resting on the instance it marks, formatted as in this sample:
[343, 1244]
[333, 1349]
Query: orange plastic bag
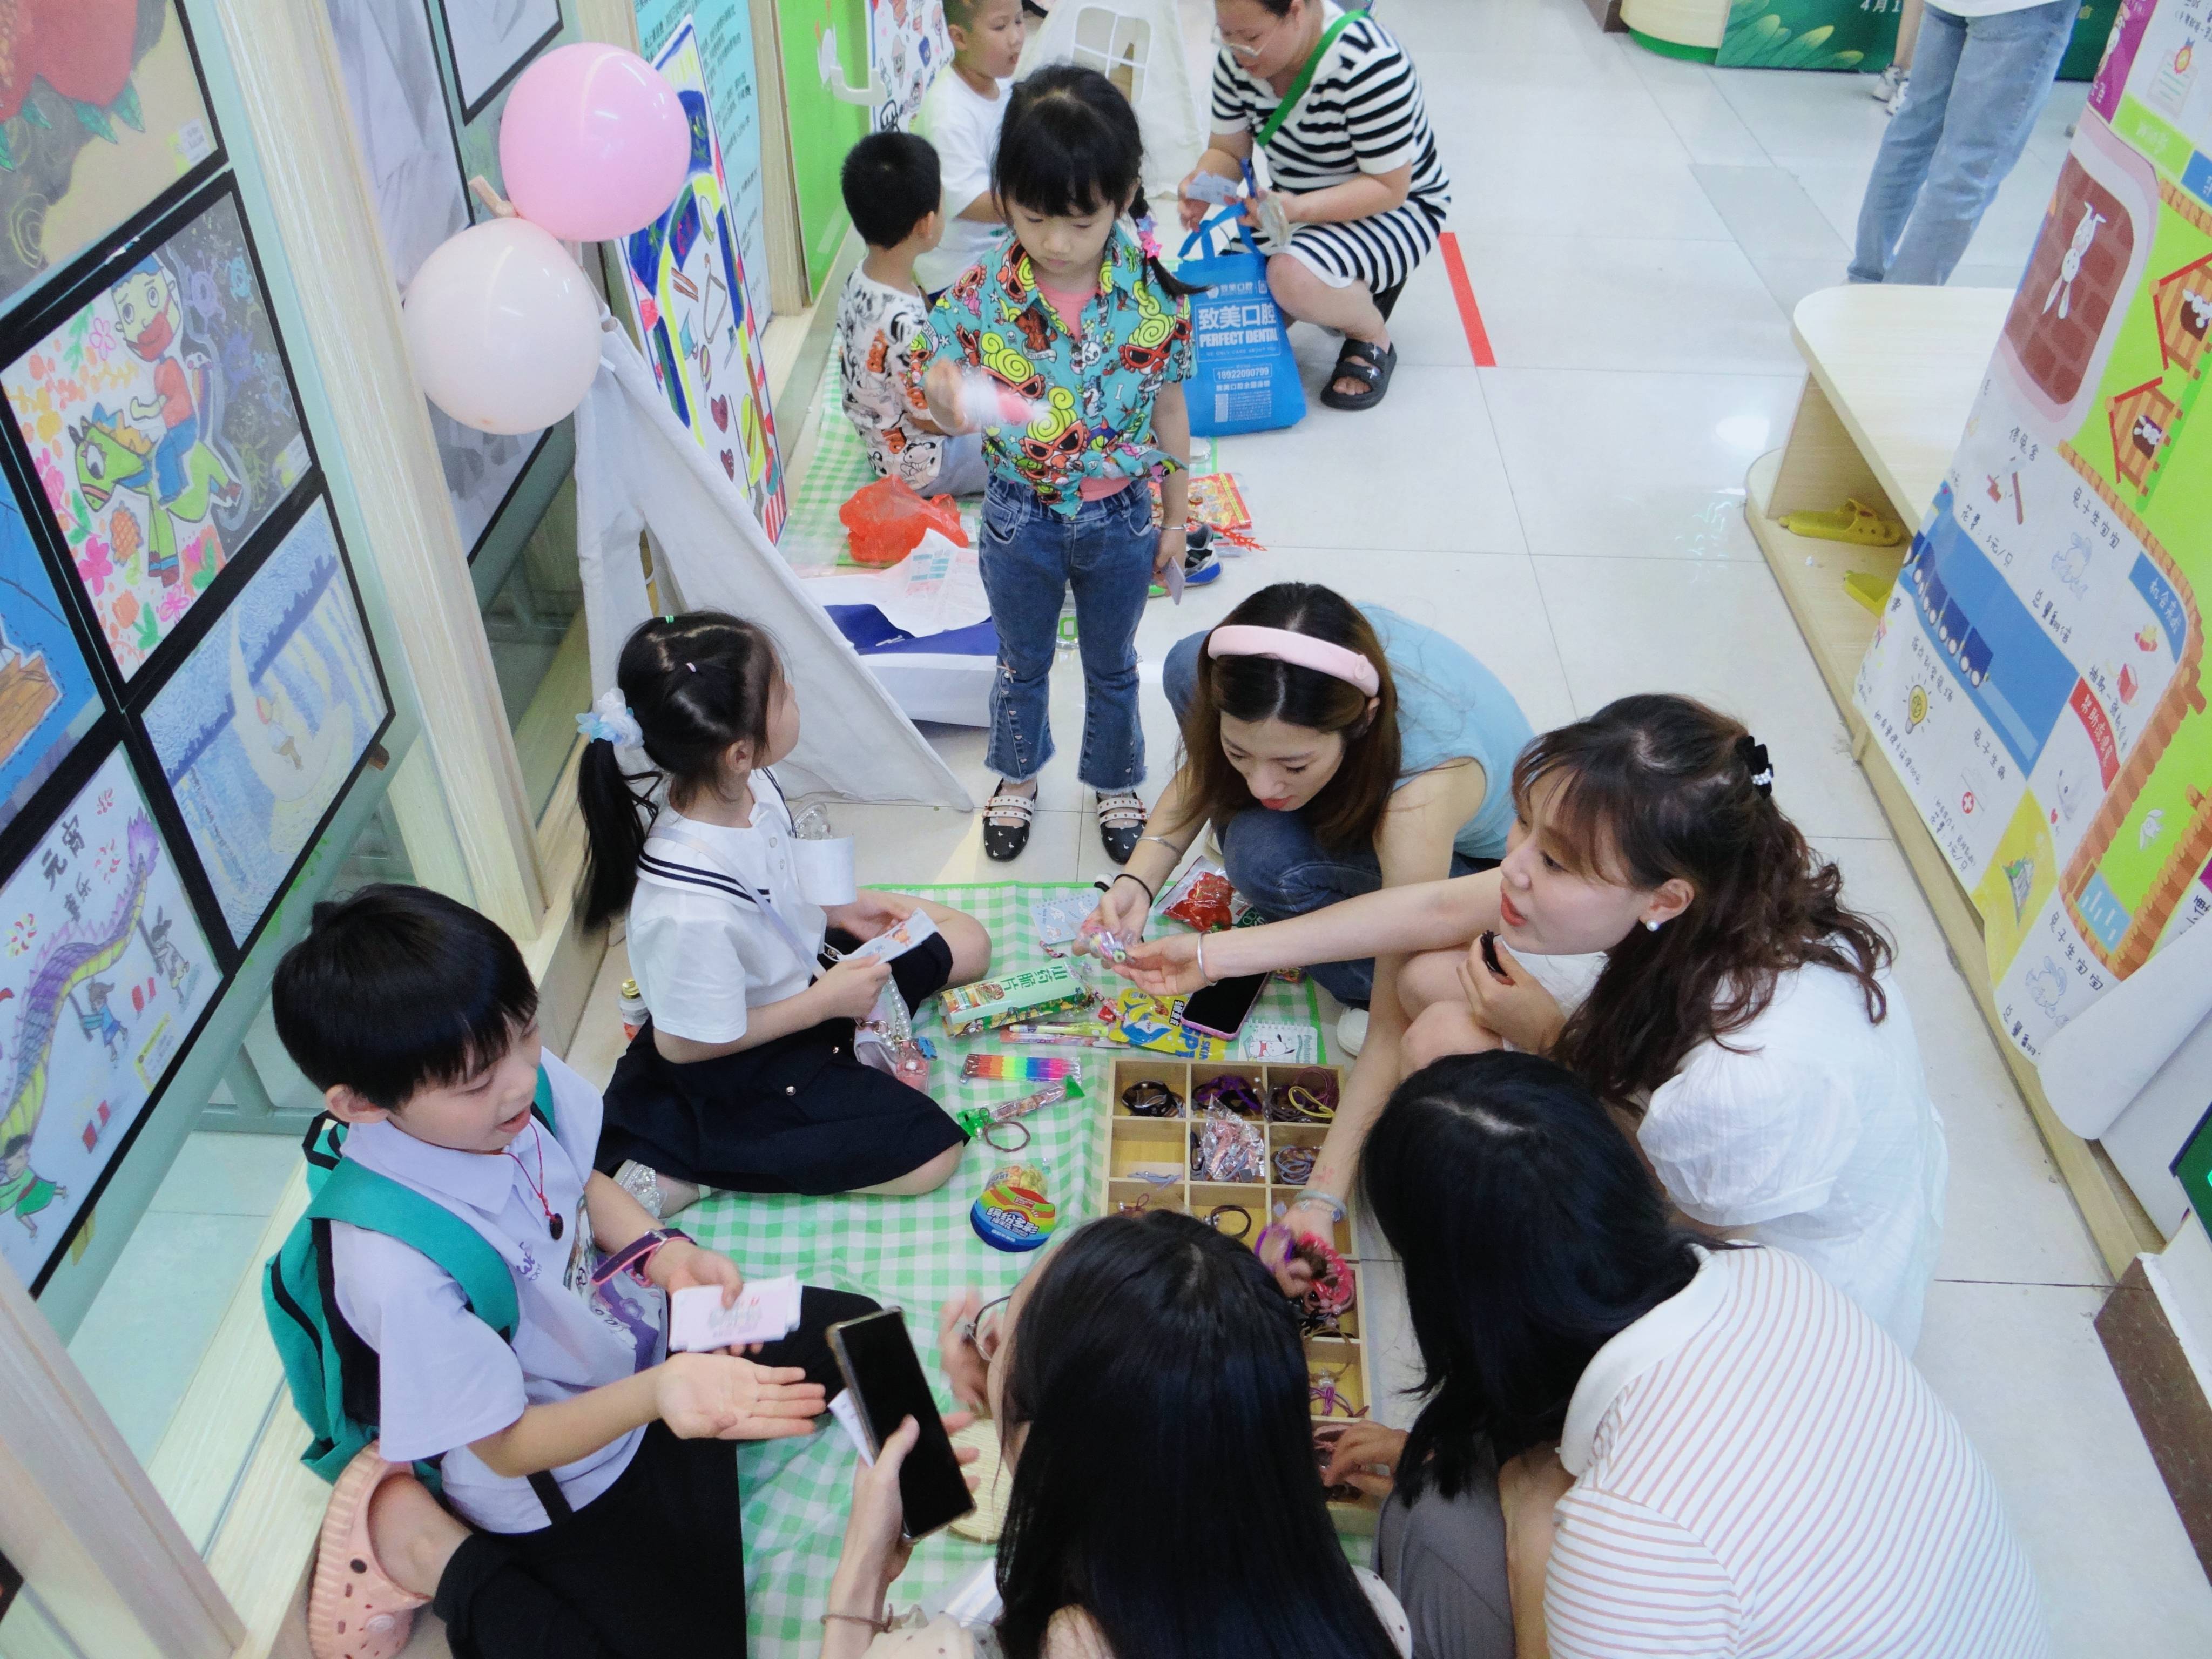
[886, 521]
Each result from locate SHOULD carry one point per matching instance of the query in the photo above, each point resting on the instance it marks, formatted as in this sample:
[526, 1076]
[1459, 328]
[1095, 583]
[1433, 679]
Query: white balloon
[503, 327]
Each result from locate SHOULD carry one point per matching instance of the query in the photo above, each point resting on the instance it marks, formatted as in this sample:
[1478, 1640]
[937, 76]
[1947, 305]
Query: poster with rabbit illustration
[160, 421]
[100, 112]
[2037, 679]
[261, 727]
[104, 973]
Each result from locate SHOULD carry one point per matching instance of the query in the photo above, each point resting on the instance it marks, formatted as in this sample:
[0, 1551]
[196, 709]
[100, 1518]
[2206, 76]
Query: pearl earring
[1650, 926]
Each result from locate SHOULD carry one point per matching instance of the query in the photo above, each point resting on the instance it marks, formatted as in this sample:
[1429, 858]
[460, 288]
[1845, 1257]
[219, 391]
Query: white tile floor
[1635, 229]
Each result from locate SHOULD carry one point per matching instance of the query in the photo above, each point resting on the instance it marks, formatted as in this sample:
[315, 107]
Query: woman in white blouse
[1150, 1393]
[1725, 996]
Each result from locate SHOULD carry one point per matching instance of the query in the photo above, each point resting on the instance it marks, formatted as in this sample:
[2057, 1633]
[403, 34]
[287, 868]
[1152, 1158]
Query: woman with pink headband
[1335, 748]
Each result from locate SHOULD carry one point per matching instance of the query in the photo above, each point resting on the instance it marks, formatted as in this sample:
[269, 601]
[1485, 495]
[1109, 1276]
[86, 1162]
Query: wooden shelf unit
[1891, 376]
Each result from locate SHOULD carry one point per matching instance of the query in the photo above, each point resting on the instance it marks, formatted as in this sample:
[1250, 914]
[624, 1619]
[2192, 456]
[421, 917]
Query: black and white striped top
[1363, 114]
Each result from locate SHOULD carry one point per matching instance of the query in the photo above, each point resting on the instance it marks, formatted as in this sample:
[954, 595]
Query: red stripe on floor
[1478, 338]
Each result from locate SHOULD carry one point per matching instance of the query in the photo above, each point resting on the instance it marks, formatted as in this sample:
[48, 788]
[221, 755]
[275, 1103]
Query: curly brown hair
[1654, 789]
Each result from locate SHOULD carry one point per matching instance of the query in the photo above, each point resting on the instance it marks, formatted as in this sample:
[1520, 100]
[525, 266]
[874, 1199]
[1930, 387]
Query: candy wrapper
[1202, 899]
[1224, 1147]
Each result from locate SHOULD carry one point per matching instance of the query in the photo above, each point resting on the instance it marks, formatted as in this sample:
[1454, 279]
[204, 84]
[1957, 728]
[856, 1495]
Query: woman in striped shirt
[1633, 1443]
[1352, 160]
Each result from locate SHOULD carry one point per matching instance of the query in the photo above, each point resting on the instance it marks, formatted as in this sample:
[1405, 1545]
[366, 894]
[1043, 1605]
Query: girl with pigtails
[744, 1075]
[1078, 319]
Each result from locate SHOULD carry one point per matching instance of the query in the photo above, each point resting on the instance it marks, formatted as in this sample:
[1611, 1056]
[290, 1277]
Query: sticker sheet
[48, 698]
[100, 112]
[262, 725]
[701, 334]
[103, 974]
[160, 423]
[2036, 675]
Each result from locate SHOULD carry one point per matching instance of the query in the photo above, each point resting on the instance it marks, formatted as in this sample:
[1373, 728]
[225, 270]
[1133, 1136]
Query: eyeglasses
[987, 1329]
[1251, 44]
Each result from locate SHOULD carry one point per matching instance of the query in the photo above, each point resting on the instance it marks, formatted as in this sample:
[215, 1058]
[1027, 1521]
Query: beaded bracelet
[1148, 1098]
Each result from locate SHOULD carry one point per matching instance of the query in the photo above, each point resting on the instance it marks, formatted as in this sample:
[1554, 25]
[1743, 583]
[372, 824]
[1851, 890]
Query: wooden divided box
[1148, 1162]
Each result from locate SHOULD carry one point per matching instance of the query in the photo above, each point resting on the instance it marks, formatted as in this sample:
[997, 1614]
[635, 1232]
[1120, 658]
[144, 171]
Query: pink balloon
[594, 142]
[503, 327]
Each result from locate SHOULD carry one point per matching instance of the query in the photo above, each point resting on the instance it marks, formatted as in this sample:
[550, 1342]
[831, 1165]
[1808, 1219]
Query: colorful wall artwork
[406, 134]
[2037, 676]
[491, 40]
[907, 46]
[160, 422]
[48, 699]
[725, 28]
[693, 311]
[261, 726]
[101, 111]
[103, 974]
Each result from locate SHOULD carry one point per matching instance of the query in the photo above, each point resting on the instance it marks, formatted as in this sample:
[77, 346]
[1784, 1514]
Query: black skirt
[799, 1114]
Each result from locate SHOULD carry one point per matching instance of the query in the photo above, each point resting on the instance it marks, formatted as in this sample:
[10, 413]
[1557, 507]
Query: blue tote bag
[1245, 378]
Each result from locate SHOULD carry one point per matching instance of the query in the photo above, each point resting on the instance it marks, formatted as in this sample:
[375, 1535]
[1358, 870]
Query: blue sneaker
[1201, 564]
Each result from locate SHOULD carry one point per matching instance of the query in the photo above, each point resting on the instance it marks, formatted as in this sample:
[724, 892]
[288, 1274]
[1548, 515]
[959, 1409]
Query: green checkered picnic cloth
[916, 1254]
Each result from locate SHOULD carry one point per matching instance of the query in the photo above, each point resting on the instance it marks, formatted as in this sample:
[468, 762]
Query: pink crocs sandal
[353, 1611]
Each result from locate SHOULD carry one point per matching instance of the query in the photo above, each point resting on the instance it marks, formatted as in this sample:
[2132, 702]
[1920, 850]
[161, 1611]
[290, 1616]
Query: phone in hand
[881, 1368]
[1220, 1010]
[1490, 959]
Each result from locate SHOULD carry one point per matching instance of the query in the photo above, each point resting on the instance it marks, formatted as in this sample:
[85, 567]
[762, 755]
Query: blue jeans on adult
[1030, 556]
[1978, 85]
[1278, 863]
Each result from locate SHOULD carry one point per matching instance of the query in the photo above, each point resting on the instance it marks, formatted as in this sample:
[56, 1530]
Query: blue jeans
[1278, 863]
[1031, 555]
[1978, 85]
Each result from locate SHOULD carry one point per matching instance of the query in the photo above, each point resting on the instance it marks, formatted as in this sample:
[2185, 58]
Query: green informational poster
[1859, 35]
[824, 43]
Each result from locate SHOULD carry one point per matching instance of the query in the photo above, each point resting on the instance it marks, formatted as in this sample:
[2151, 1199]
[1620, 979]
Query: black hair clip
[1753, 753]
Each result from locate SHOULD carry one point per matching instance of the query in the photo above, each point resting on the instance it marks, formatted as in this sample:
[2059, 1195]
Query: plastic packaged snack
[1202, 899]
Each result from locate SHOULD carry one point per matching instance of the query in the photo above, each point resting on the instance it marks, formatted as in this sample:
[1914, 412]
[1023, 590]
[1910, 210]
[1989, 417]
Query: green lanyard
[1282, 111]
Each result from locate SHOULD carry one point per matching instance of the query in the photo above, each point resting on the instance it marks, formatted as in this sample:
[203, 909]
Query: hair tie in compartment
[1230, 1093]
[1146, 1098]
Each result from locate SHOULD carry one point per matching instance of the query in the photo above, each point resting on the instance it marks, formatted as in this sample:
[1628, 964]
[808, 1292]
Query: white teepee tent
[1139, 46]
[639, 471]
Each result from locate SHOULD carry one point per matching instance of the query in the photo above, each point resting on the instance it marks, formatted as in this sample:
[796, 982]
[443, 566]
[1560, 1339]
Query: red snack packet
[1204, 904]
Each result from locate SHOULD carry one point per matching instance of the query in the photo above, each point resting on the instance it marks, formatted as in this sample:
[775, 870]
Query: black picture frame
[470, 110]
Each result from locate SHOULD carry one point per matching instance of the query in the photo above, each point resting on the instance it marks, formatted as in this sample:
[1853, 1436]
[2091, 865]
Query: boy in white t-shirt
[891, 185]
[961, 115]
[590, 1498]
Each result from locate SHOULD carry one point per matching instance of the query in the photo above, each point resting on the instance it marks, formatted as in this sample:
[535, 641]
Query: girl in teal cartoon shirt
[1078, 316]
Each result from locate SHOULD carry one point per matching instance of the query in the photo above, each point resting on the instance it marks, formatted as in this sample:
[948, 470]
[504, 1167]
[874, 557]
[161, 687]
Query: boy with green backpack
[465, 1296]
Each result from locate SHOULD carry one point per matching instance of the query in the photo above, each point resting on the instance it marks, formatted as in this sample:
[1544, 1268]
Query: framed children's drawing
[102, 112]
[48, 698]
[154, 408]
[491, 41]
[265, 721]
[412, 151]
[104, 978]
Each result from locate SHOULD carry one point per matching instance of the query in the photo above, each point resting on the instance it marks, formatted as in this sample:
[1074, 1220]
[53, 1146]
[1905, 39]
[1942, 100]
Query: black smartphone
[1220, 1010]
[884, 1374]
[1490, 959]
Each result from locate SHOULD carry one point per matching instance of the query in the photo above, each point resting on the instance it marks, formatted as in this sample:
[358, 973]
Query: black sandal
[1006, 820]
[1120, 823]
[1359, 360]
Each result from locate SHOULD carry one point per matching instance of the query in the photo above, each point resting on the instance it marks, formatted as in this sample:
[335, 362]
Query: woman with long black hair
[1634, 1441]
[1662, 927]
[1151, 1393]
